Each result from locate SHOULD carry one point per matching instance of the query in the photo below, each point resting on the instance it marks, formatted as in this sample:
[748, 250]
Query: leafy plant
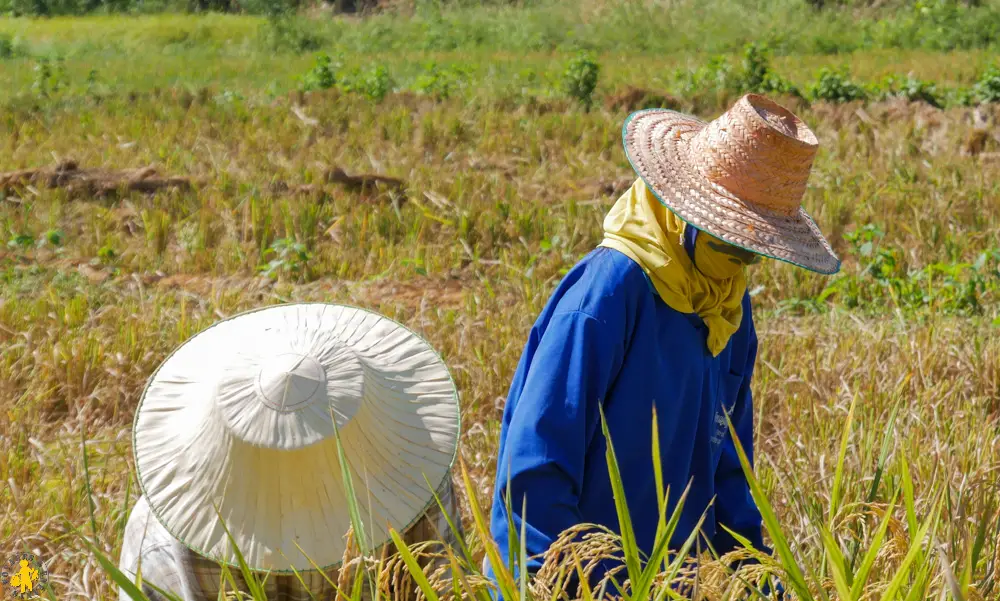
[579, 79]
[883, 278]
[375, 83]
[286, 30]
[835, 86]
[21, 241]
[286, 258]
[322, 76]
[716, 76]
[913, 89]
[10, 47]
[53, 237]
[987, 87]
[757, 75]
[107, 254]
[438, 82]
[50, 76]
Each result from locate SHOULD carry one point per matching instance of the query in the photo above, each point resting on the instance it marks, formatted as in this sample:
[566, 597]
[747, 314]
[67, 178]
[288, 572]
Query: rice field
[877, 390]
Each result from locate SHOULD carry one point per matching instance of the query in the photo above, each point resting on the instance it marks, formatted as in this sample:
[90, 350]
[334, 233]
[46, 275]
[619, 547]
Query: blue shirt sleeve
[554, 420]
[734, 505]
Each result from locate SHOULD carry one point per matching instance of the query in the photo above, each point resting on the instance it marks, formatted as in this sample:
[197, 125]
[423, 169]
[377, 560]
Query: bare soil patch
[96, 182]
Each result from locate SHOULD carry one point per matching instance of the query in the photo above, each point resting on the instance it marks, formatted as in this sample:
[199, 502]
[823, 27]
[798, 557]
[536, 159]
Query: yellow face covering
[647, 232]
[718, 259]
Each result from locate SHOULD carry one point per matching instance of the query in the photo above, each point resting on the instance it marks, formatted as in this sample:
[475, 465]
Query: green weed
[286, 258]
[322, 76]
[579, 80]
[835, 85]
[987, 87]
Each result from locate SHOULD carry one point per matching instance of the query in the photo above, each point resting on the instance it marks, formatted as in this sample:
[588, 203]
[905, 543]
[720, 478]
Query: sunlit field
[502, 165]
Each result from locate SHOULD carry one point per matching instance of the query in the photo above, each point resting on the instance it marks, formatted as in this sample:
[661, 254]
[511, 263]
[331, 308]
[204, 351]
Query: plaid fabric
[166, 563]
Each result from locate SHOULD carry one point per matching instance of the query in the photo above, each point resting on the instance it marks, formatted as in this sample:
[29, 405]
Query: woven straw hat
[740, 178]
[242, 418]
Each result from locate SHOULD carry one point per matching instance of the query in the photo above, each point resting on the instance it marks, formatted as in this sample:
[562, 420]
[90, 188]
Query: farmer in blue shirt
[659, 318]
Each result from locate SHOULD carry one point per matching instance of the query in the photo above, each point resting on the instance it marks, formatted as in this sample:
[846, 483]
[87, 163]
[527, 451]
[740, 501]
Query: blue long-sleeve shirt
[605, 339]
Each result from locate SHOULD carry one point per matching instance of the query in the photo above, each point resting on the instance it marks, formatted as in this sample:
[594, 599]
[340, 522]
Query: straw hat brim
[284, 503]
[655, 142]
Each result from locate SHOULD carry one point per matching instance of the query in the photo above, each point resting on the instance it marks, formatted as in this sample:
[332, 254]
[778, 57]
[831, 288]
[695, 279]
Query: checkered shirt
[174, 568]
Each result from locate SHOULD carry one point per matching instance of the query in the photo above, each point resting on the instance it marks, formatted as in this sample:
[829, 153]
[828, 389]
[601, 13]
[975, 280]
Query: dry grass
[503, 197]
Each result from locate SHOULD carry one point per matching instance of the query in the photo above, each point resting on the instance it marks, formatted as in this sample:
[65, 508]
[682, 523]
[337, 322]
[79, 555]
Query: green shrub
[579, 80]
[50, 76]
[941, 25]
[285, 30]
[912, 89]
[10, 47]
[883, 278]
[286, 258]
[835, 86]
[322, 76]
[757, 75]
[438, 82]
[375, 83]
[987, 88]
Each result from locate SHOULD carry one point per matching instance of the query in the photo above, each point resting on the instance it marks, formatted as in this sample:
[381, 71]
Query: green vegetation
[580, 79]
[876, 390]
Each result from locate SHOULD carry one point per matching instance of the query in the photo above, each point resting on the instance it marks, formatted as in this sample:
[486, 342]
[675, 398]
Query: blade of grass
[513, 542]
[522, 559]
[116, 575]
[784, 550]
[630, 547]
[86, 478]
[586, 593]
[305, 587]
[661, 495]
[682, 553]
[414, 568]
[883, 458]
[658, 559]
[320, 570]
[352, 506]
[838, 476]
[451, 524]
[907, 483]
[254, 585]
[835, 557]
[949, 574]
[861, 576]
[916, 546]
[505, 580]
[458, 573]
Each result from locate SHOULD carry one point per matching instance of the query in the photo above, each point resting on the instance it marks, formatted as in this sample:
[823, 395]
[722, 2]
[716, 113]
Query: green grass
[507, 182]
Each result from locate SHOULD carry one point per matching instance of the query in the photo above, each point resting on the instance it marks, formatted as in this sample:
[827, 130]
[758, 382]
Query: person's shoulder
[602, 285]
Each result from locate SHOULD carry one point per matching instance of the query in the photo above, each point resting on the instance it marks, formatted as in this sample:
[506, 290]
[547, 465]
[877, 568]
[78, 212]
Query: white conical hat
[241, 418]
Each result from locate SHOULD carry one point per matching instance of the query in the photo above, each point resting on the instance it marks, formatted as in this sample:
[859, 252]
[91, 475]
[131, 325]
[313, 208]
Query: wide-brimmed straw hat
[241, 420]
[740, 178]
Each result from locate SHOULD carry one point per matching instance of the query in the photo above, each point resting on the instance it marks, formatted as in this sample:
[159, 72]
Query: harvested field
[454, 202]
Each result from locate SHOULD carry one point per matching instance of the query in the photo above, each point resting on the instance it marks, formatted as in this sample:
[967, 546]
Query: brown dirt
[437, 293]
[91, 182]
[112, 183]
[369, 186]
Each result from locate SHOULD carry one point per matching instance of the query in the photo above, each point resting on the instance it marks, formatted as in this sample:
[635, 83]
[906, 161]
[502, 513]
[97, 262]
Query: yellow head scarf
[647, 232]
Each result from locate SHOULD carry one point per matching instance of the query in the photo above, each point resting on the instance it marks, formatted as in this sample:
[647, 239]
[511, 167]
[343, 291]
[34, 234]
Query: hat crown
[288, 399]
[291, 380]
[759, 152]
